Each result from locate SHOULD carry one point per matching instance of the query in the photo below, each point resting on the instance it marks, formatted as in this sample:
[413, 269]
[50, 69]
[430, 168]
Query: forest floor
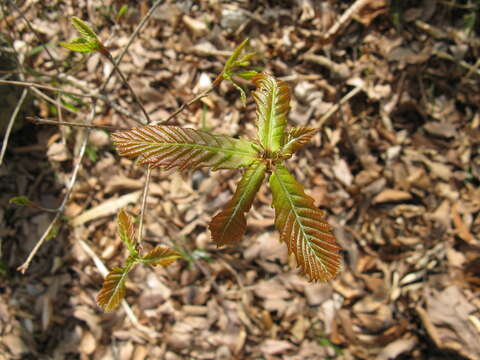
[396, 166]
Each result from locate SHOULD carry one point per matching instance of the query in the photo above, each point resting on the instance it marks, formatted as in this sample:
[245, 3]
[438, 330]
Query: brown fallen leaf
[441, 129]
[273, 347]
[446, 319]
[389, 195]
[369, 12]
[461, 228]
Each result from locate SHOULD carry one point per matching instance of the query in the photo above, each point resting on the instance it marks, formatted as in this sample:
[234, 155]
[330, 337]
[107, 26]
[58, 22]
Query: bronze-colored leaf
[229, 225]
[297, 138]
[160, 256]
[303, 228]
[126, 230]
[113, 290]
[172, 146]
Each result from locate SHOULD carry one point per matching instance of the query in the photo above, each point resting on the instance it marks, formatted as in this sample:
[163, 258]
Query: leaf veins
[297, 138]
[273, 102]
[229, 225]
[113, 289]
[303, 228]
[160, 255]
[172, 146]
[126, 230]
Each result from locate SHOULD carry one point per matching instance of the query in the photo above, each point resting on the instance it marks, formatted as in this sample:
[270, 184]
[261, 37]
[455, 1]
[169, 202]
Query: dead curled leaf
[446, 320]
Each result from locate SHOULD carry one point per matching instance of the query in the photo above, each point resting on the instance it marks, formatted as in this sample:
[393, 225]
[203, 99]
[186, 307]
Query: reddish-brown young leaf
[172, 146]
[126, 230]
[303, 228]
[113, 290]
[229, 225]
[160, 256]
[297, 138]
[273, 103]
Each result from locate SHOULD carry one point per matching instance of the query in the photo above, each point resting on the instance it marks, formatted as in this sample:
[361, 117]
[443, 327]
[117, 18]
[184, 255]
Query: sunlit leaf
[172, 146]
[233, 59]
[83, 29]
[229, 225]
[113, 290]
[160, 256]
[247, 74]
[297, 138]
[126, 230]
[80, 45]
[303, 228]
[123, 10]
[272, 98]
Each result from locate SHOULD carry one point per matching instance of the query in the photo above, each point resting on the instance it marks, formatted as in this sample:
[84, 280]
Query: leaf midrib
[240, 201]
[297, 216]
[270, 121]
[198, 146]
[119, 286]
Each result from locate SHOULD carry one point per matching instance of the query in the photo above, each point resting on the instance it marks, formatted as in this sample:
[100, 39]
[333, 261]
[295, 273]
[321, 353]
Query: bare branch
[335, 107]
[144, 205]
[11, 122]
[38, 120]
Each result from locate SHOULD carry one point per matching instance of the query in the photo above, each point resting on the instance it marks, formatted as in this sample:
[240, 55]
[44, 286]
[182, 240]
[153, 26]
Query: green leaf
[229, 225]
[247, 74]
[273, 102]
[126, 230]
[233, 59]
[83, 29]
[123, 10]
[303, 228]
[296, 139]
[21, 201]
[160, 256]
[81, 45]
[243, 95]
[113, 290]
[172, 146]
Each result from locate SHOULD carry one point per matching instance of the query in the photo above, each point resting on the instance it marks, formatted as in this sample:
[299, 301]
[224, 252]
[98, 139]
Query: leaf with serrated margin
[126, 231]
[229, 225]
[160, 256]
[297, 138]
[113, 290]
[303, 228]
[172, 146]
[83, 29]
[273, 102]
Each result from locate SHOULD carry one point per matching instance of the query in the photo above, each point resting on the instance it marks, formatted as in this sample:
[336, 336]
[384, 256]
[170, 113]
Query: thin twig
[38, 120]
[143, 207]
[130, 40]
[103, 98]
[23, 268]
[50, 100]
[133, 93]
[471, 68]
[335, 107]
[57, 70]
[345, 18]
[182, 107]
[10, 124]
[45, 87]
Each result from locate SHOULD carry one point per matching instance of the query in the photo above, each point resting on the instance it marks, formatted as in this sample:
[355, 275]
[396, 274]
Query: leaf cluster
[113, 290]
[88, 40]
[302, 226]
